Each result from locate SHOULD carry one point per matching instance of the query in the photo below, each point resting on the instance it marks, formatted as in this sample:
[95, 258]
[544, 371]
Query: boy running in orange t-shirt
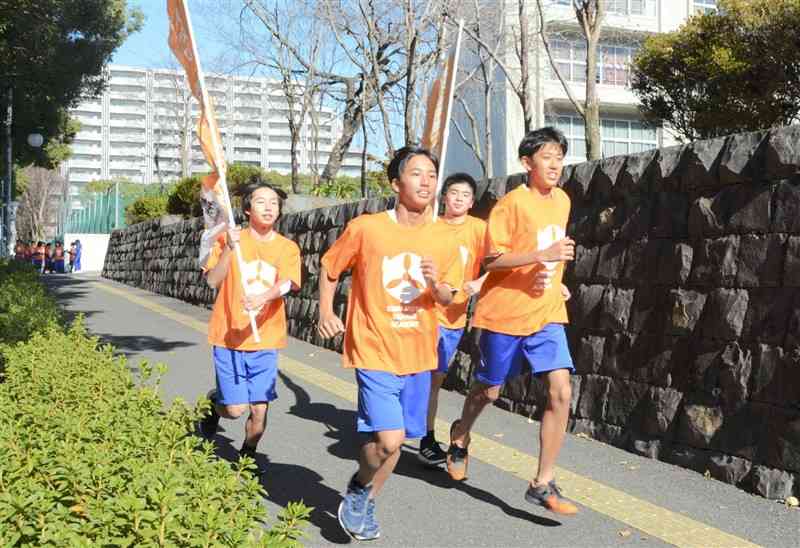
[246, 370]
[401, 265]
[468, 235]
[522, 311]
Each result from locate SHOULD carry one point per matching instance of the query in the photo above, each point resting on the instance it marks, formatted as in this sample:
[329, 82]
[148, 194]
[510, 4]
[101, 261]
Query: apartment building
[142, 129]
[626, 24]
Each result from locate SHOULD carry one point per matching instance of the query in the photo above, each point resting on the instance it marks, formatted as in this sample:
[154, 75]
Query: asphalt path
[310, 448]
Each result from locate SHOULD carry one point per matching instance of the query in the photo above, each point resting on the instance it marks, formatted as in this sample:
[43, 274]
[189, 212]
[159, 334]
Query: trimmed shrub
[146, 207]
[25, 306]
[87, 457]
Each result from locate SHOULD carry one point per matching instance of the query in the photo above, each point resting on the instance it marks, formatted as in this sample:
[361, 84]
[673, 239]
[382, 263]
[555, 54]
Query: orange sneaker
[457, 458]
[550, 497]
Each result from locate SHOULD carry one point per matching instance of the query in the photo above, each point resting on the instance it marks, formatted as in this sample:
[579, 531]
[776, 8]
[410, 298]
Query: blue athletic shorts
[393, 402]
[448, 344]
[503, 356]
[245, 376]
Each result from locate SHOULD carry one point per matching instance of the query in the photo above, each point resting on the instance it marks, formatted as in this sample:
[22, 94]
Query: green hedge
[25, 306]
[146, 207]
[89, 457]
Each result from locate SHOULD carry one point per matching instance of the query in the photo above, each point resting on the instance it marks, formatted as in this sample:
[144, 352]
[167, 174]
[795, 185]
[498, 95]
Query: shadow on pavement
[133, 344]
[341, 427]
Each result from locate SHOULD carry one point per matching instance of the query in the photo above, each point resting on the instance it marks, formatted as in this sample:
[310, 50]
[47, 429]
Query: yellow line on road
[649, 518]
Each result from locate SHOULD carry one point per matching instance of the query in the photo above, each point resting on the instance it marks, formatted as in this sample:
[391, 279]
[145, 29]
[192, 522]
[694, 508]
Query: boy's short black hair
[402, 157]
[249, 190]
[457, 178]
[536, 139]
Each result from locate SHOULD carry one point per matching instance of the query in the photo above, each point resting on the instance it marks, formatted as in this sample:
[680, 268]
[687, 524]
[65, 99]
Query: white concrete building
[626, 24]
[134, 129]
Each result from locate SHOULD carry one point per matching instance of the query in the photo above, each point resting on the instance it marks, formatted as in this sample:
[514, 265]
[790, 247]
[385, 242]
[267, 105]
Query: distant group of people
[50, 258]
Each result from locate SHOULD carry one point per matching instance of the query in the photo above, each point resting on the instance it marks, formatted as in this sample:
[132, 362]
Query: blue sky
[148, 48]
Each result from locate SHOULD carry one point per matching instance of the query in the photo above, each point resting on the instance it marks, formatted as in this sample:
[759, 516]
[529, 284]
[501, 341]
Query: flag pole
[222, 168]
[446, 129]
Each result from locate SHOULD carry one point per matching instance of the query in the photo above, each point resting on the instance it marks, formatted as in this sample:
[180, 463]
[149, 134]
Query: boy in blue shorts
[246, 370]
[467, 234]
[522, 310]
[401, 265]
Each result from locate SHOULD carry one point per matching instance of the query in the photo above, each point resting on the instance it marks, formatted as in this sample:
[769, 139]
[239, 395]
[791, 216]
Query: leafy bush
[25, 306]
[87, 457]
[146, 207]
[185, 197]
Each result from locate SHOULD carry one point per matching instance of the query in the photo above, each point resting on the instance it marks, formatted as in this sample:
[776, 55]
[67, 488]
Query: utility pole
[8, 194]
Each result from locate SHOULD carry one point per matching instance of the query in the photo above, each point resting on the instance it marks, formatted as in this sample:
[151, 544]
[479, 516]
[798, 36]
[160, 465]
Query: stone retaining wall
[685, 311]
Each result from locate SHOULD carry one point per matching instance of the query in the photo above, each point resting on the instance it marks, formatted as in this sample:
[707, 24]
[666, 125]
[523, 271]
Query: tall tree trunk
[525, 69]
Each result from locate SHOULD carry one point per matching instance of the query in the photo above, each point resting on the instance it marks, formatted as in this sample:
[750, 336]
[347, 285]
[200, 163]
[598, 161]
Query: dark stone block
[584, 264]
[619, 357]
[615, 309]
[606, 224]
[760, 260]
[767, 315]
[728, 468]
[605, 178]
[661, 361]
[699, 164]
[579, 182]
[670, 215]
[747, 208]
[685, 308]
[770, 483]
[781, 154]
[588, 354]
[581, 224]
[791, 266]
[635, 219]
[740, 159]
[593, 398]
[623, 400]
[650, 448]
[675, 264]
[699, 424]
[516, 389]
[611, 261]
[736, 365]
[776, 376]
[743, 433]
[786, 210]
[705, 218]
[714, 261]
[584, 306]
[638, 172]
[667, 168]
[647, 310]
[641, 262]
[659, 411]
[783, 439]
[723, 317]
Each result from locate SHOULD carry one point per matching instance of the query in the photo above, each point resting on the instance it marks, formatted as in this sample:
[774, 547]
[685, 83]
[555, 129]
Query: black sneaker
[209, 424]
[457, 457]
[430, 452]
[551, 498]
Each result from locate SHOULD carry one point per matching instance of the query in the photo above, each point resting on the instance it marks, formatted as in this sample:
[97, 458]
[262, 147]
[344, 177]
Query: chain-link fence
[105, 213]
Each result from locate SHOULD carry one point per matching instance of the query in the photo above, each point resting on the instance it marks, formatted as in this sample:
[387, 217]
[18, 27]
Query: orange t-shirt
[391, 319]
[523, 221]
[266, 262]
[469, 237]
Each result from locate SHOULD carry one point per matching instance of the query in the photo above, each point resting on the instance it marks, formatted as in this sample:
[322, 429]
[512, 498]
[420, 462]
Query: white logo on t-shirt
[402, 277]
[544, 239]
[258, 276]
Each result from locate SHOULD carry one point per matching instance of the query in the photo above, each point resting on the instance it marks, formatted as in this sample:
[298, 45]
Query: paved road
[309, 452]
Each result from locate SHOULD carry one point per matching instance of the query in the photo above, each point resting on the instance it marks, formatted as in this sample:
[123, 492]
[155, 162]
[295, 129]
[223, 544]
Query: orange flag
[439, 110]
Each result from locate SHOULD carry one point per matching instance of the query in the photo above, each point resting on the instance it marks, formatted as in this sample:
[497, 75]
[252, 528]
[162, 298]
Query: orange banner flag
[438, 112]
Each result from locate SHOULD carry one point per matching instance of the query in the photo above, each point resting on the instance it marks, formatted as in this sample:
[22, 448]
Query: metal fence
[103, 214]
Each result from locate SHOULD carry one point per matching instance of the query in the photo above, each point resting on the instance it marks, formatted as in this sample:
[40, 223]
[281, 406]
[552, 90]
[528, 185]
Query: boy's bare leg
[256, 424]
[478, 398]
[437, 379]
[554, 424]
[378, 458]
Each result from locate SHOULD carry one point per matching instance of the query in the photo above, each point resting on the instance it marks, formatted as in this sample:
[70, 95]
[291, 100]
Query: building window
[705, 6]
[647, 8]
[613, 62]
[618, 136]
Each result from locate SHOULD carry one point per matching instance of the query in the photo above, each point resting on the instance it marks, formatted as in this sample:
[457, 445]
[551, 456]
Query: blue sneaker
[357, 512]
